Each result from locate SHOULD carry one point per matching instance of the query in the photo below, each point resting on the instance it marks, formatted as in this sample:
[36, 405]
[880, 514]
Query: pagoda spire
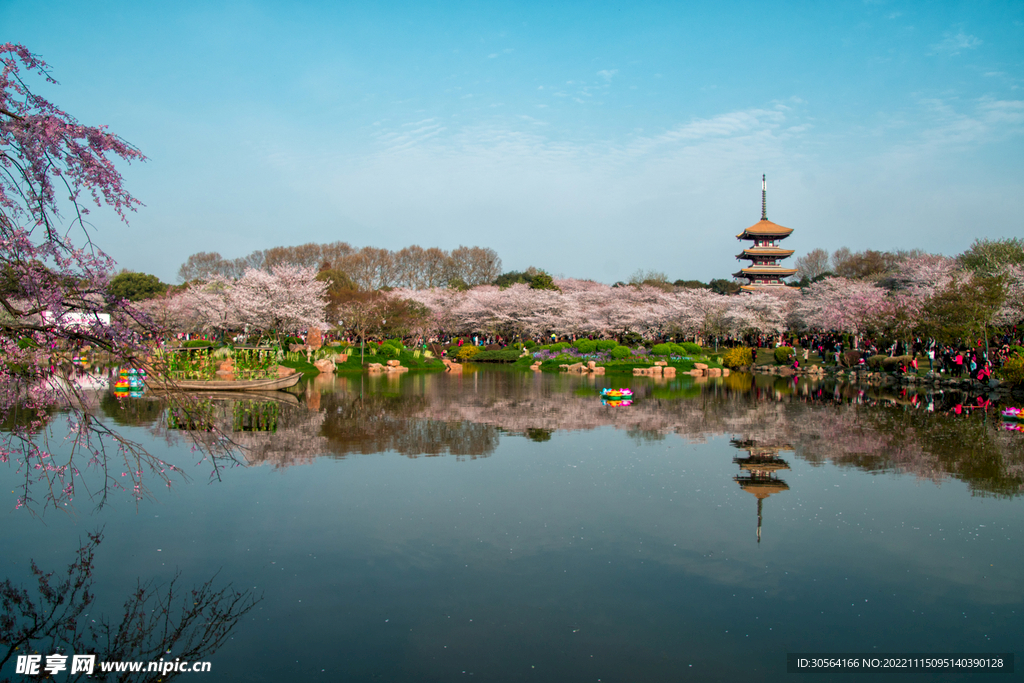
[764, 198]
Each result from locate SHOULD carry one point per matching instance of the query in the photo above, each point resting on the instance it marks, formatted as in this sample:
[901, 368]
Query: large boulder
[282, 371]
[324, 365]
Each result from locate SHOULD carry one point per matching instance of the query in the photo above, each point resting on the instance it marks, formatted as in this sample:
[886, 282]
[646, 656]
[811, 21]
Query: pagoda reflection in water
[759, 470]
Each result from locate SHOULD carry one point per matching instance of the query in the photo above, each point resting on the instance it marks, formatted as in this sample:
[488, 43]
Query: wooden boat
[270, 384]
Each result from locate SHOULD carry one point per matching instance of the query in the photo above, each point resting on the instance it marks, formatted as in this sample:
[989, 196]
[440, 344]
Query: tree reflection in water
[872, 430]
[158, 621]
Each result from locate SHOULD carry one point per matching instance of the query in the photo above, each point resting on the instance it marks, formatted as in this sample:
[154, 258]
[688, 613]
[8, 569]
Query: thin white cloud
[955, 44]
[607, 74]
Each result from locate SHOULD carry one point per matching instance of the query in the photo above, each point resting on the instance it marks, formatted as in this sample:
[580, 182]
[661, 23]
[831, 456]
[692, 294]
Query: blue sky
[589, 139]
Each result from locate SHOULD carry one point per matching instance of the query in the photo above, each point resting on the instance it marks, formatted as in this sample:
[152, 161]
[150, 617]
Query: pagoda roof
[761, 488]
[758, 288]
[766, 251]
[764, 228]
[767, 270]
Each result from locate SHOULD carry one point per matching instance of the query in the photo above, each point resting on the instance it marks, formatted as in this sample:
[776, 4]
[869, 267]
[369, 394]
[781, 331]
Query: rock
[598, 371]
[654, 371]
[394, 363]
[725, 372]
[662, 363]
[324, 365]
[282, 371]
[696, 373]
[341, 358]
[666, 371]
[591, 364]
[714, 372]
[700, 366]
[296, 347]
[638, 372]
[375, 367]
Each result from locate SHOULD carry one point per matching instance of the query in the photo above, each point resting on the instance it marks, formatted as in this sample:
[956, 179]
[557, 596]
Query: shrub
[1013, 370]
[738, 356]
[389, 350]
[783, 354]
[529, 344]
[201, 342]
[453, 350]
[678, 349]
[891, 364]
[875, 362]
[468, 351]
[661, 349]
[621, 352]
[586, 346]
[691, 348]
[850, 358]
[506, 355]
[606, 344]
[397, 343]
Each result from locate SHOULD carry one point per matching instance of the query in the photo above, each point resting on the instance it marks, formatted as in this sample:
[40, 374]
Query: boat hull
[271, 384]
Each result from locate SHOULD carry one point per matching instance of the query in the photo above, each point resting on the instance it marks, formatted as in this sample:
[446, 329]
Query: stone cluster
[392, 367]
[590, 368]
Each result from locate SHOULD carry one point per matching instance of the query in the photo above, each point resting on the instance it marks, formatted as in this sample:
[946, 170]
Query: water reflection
[929, 435]
[759, 471]
[165, 622]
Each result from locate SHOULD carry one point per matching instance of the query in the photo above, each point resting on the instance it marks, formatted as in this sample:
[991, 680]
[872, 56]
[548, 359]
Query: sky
[590, 139]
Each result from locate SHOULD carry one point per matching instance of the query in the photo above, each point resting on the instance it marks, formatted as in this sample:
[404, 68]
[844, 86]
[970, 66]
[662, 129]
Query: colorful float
[130, 382]
[621, 393]
[1013, 419]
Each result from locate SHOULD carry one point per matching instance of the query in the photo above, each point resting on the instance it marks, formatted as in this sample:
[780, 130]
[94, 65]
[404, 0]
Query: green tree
[543, 281]
[989, 257]
[722, 286]
[135, 286]
[964, 309]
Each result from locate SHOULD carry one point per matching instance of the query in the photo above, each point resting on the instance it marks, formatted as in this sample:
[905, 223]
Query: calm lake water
[504, 526]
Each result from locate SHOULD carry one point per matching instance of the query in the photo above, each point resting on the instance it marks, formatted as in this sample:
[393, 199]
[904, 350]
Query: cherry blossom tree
[287, 298]
[52, 168]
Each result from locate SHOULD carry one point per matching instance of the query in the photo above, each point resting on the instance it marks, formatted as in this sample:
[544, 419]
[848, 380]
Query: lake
[508, 526]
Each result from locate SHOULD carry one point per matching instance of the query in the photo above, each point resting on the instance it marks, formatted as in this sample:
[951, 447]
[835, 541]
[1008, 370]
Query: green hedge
[783, 354]
[691, 348]
[606, 344]
[506, 355]
[621, 352]
[661, 349]
[586, 346]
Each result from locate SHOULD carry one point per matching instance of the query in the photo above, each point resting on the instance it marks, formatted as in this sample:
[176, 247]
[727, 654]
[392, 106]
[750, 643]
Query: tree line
[367, 268]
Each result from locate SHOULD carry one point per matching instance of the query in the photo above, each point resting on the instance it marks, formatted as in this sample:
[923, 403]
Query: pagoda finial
[764, 198]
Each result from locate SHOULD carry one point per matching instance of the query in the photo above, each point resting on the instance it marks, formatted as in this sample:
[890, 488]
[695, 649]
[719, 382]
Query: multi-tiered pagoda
[765, 253]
